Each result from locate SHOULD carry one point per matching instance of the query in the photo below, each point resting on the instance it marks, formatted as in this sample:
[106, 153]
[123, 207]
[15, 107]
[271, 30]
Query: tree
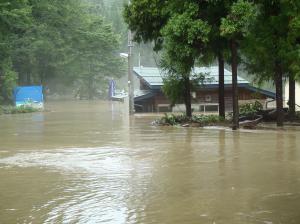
[184, 37]
[292, 9]
[235, 27]
[271, 48]
[175, 84]
[63, 41]
[217, 47]
[177, 28]
[99, 46]
[7, 81]
[14, 20]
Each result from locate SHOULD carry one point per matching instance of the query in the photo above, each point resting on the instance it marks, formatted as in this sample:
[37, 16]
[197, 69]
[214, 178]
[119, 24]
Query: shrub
[174, 119]
[250, 109]
[17, 110]
[8, 81]
[180, 119]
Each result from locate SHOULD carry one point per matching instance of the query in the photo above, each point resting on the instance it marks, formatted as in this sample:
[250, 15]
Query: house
[29, 96]
[150, 97]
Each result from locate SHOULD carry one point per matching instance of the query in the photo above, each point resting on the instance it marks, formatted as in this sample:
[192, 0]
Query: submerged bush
[250, 109]
[17, 110]
[207, 119]
[172, 119]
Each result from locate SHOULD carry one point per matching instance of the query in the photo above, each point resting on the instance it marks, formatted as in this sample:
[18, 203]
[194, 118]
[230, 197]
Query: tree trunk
[221, 86]
[20, 79]
[187, 97]
[279, 99]
[292, 97]
[235, 94]
[28, 79]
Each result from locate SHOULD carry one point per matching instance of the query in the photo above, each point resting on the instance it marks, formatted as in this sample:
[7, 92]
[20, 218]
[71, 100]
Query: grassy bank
[17, 110]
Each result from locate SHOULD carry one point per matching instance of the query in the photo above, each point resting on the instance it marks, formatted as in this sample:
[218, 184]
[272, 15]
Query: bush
[207, 119]
[250, 109]
[181, 119]
[174, 119]
[17, 110]
[8, 81]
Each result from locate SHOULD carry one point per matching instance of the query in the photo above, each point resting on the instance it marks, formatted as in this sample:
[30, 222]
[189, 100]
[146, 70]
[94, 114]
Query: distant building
[150, 98]
[29, 96]
[286, 95]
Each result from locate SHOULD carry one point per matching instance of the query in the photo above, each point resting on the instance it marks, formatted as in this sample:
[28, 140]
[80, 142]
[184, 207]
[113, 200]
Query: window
[194, 95]
[209, 108]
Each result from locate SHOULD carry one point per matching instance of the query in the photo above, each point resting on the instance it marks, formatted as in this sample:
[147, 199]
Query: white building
[286, 95]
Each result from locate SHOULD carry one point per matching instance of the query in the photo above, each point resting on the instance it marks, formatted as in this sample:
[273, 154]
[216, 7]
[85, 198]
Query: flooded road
[85, 162]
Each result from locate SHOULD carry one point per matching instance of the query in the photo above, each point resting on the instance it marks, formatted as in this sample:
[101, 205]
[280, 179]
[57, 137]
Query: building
[150, 98]
[286, 95]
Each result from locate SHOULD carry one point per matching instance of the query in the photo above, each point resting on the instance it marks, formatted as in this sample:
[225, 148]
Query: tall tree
[235, 27]
[217, 47]
[15, 17]
[176, 27]
[292, 9]
[271, 49]
[58, 40]
[185, 36]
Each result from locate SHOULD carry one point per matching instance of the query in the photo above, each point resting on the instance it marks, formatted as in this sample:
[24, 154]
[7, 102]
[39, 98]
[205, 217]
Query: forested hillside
[60, 44]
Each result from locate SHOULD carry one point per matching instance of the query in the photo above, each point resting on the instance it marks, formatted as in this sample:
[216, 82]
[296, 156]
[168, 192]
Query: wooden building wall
[205, 96]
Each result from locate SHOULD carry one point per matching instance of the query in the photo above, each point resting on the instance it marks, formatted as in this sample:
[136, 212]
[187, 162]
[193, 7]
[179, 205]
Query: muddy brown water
[86, 162]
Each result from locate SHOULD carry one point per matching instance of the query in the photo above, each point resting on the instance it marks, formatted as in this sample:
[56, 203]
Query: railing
[270, 101]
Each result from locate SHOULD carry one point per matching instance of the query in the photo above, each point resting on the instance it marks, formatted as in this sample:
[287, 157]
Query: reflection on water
[86, 162]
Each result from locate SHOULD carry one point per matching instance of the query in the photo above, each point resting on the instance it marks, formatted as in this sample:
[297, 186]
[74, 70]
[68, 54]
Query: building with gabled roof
[150, 98]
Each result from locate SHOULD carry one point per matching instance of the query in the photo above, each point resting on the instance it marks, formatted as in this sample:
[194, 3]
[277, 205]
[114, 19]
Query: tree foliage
[178, 29]
[272, 48]
[59, 41]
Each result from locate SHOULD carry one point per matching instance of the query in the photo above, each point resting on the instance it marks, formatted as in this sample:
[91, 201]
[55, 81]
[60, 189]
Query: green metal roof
[154, 76]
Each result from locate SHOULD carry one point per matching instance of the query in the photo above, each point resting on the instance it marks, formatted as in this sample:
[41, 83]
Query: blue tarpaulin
[29, 95]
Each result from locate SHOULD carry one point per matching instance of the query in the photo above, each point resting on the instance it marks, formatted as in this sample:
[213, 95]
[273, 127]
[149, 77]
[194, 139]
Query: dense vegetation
[263, 34]
[60, 44]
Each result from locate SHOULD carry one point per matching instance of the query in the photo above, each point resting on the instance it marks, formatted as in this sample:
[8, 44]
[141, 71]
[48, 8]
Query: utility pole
[130, 74]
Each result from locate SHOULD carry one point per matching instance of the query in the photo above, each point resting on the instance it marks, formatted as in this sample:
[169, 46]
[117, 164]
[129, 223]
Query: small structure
[205, 99]
[29, 96]
[112, 89]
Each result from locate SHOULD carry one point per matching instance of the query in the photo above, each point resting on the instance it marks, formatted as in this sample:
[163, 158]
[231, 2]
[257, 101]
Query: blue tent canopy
[25, 95]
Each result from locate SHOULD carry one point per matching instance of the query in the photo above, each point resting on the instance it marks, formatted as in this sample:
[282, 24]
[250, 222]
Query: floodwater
[86, 162]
